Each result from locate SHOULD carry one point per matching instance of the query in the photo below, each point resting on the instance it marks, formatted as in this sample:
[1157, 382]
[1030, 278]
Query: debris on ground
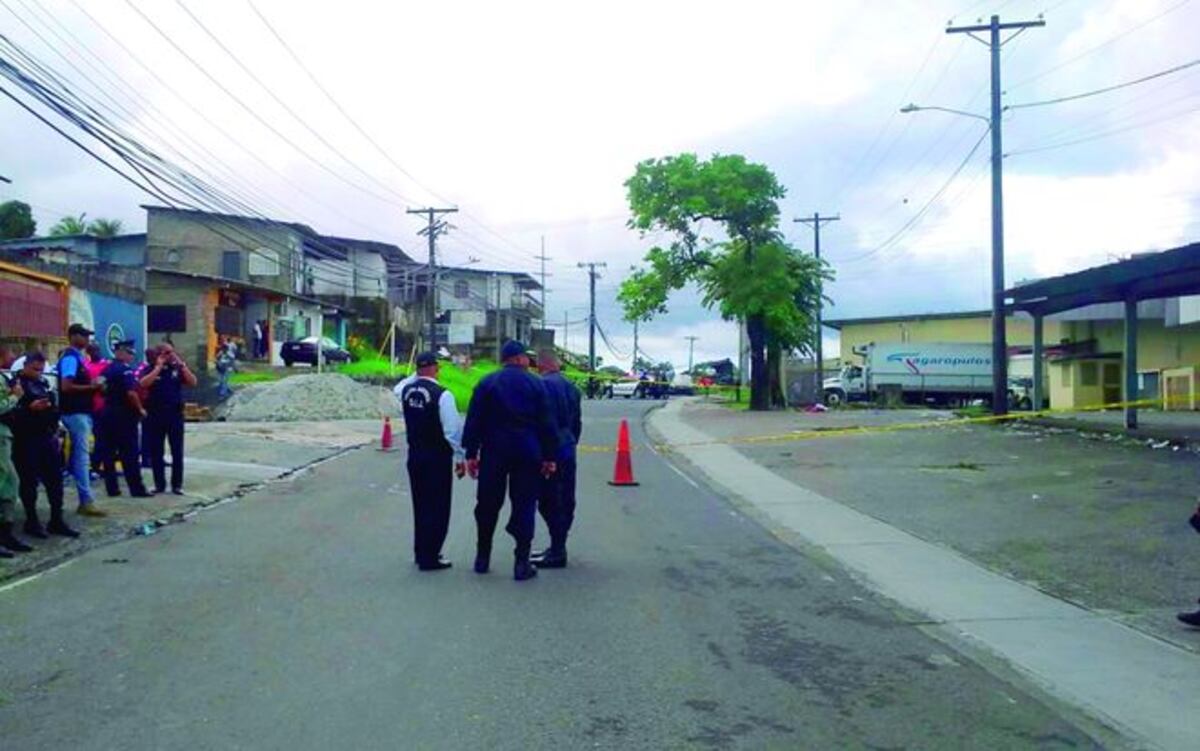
[326, 396]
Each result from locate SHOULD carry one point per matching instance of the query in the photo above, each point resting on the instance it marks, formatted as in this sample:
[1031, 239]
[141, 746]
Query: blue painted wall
[112, 318]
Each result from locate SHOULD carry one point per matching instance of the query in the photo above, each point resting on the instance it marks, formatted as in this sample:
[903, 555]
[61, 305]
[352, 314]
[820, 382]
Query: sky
[529, 116]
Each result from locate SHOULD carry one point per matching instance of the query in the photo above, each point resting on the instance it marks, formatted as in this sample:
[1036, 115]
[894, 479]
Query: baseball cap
[425, 359]
[128, 344]
[78, 329]
[512, 348]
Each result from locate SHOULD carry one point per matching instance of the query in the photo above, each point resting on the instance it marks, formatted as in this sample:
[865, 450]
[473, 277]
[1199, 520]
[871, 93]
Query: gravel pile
[329, 396]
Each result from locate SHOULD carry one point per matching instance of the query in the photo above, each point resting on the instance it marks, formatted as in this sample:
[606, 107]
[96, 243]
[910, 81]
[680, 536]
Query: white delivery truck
[950, 374]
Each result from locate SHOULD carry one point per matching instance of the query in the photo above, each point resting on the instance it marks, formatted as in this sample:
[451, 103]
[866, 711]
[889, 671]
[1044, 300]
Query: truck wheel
[834, 398]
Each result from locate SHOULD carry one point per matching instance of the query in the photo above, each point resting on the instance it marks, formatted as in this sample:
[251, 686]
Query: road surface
[294, 619]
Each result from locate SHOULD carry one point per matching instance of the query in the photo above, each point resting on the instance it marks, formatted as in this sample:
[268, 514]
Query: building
[1081, 335]
[103, 281]
[215, 275]
[477, 309]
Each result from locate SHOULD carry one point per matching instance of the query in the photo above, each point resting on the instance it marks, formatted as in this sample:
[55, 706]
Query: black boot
[483, 558]
[523, 569]
[1191, 619]
[59, 527]
[34, 528]
[9, 541]
[552, 557]
[6, 553]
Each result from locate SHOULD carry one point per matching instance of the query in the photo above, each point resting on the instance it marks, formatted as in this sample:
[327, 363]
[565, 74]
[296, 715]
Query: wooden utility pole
[432, 229]
[543, 258]
[816, 220]
[592, 277]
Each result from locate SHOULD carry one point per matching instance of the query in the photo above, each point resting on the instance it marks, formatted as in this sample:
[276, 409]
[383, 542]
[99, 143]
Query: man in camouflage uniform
[10, 394]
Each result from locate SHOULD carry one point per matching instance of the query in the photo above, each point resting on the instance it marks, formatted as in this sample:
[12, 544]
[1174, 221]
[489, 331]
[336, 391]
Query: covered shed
[1153, 276]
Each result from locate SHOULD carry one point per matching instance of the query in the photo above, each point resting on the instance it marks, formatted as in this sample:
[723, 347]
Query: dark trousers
[556, 502]
[120, 443]
[38, 459]
[430, 477]
[518, 478]
[165, 425]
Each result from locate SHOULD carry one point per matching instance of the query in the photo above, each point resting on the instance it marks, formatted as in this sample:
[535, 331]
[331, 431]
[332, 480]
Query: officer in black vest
[36, 452]
[510, 442]
[434, 432]
[119, 423]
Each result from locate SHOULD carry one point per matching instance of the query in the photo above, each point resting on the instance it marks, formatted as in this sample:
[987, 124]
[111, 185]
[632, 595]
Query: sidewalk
[223, 460]
[1144, 686]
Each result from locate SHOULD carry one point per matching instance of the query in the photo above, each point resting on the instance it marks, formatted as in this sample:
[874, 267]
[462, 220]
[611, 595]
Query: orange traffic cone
[385, 440]
[623, 469]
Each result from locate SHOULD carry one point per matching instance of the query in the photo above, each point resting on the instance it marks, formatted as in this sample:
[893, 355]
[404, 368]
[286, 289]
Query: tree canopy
[70, 225]
[745, 270]
[16, 221]
[104, 227]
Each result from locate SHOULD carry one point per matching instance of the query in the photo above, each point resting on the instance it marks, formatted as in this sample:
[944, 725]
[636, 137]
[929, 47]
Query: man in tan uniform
[10, 394]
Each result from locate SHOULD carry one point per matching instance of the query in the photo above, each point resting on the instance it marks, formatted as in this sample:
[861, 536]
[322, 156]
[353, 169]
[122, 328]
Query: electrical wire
[1106, 89]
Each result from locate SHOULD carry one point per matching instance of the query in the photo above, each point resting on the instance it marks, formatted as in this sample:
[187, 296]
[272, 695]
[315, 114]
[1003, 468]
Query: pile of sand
[329, 396]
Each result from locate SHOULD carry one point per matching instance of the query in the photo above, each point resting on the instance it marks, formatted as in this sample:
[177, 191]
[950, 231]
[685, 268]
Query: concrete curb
[1128, 679]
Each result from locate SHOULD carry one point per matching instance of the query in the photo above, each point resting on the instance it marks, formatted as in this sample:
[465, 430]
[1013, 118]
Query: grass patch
[254, 376]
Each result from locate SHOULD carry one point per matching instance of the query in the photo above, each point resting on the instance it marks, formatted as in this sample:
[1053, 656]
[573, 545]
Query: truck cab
[848, 385]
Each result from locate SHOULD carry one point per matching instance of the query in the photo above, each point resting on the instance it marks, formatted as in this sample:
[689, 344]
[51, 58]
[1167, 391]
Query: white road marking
[681, 473]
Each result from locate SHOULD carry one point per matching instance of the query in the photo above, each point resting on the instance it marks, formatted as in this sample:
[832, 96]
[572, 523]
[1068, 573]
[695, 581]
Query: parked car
[682, 385]
[305, 350]
[627, 389]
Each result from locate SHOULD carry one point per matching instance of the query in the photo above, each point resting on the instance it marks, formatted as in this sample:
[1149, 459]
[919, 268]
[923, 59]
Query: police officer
[556, 500]
[433, 429]
[119, 422]
[164, 384]
[510, 440]
[36, 452]
[10, 396]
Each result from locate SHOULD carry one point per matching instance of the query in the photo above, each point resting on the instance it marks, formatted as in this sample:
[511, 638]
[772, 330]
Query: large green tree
[16, 221]
[746, 270]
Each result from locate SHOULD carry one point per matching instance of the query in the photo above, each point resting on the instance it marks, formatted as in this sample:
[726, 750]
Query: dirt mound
[328, 396]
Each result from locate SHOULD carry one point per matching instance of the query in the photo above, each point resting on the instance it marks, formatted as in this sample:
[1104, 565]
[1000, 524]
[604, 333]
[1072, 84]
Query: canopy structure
[1171, 273]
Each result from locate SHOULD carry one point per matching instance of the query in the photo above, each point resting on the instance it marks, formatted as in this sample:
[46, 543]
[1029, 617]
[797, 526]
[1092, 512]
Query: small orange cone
[385, 441]
[623, 469]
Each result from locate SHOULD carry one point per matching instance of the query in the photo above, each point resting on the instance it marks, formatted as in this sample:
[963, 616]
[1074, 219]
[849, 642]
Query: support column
[1038, 363]
[1131, 389]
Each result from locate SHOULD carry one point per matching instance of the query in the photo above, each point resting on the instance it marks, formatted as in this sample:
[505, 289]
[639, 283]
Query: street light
[999, 336]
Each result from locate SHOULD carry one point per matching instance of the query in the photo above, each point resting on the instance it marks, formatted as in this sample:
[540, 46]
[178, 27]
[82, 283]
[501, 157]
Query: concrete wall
[958, 330]
[1160, 347]
[1085, 383]
[198, 343]
[187, 242]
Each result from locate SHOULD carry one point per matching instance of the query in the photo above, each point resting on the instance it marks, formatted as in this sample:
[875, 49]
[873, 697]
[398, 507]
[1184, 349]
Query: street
[294, 618]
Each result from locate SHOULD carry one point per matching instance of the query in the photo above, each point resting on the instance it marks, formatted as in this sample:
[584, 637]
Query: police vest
[422, 415]
[79, 403]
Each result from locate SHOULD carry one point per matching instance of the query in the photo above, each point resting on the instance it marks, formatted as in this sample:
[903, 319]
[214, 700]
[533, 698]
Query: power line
[1106, 89]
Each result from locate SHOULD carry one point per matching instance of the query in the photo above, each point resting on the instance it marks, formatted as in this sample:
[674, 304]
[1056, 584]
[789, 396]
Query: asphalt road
[294, 619]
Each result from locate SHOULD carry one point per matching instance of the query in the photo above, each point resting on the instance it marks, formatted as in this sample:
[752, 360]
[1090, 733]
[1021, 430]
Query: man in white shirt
[433, 430]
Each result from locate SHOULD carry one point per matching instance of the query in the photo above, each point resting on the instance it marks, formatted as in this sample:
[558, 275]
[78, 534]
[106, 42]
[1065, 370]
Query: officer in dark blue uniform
[433, 430]
[119, 422]
[164, 384]
[510, 442]
[36, 453]
[556, 500]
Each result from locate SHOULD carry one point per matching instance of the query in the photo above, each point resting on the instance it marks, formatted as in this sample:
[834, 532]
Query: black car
[305, 350]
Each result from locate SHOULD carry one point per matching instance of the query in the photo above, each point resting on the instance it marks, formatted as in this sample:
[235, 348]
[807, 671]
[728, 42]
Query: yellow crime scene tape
[860, 430]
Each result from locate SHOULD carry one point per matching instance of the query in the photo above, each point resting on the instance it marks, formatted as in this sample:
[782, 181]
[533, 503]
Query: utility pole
[566, 326]
[592, 277]
[633, 365]
[999, 335]
[816, 220]
[543, 258]
[691, 350]
[434, 228]
[499, 341]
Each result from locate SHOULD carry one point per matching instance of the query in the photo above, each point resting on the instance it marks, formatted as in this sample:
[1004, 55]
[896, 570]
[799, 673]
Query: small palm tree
[105, 227]
[70, 225]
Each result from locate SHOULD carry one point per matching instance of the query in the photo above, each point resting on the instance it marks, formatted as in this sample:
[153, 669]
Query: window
[168, 319]
[231, 264]
[1089, 374]
[462, 289]
[264, 262]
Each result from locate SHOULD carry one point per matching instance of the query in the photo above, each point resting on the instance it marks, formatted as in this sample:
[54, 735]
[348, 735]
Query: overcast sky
[529, 116]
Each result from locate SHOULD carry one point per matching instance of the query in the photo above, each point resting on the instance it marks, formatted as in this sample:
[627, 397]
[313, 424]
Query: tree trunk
[775, 382]
[756, 331]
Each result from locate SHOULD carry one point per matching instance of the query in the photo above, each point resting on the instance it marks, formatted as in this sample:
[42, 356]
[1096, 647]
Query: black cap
[78, 329]
[128, 344]
[425, 359]
[512, 348]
